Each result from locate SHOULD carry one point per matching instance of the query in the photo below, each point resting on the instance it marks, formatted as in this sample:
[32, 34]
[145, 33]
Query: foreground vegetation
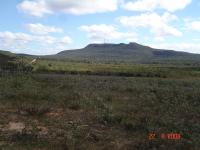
[62, 105]
[63, 111]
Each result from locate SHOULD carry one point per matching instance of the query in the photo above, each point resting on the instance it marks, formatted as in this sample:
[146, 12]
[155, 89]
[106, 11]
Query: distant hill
[128, 53]
[6, 57]
[132, 52]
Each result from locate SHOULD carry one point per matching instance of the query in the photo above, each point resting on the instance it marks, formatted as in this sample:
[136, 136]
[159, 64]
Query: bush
[34, 109]
[42, 68]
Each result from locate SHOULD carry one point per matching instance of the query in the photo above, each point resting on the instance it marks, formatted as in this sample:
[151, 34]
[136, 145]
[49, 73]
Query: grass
[100, 112]
[103, 106]
[117, 69]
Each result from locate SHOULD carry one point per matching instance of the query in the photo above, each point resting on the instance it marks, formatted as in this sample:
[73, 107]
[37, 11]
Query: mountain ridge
[109, 52]
[132, 52]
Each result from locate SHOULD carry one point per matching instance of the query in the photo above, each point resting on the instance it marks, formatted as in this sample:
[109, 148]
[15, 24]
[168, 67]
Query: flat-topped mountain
[132, 52]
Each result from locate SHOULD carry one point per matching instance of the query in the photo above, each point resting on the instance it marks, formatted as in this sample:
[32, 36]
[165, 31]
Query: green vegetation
[110, 69]
[127, 53]
[63, 111]
[77, 105]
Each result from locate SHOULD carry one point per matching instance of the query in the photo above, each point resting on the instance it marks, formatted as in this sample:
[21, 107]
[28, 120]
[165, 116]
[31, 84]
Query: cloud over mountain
[107, 32]
[158, 25]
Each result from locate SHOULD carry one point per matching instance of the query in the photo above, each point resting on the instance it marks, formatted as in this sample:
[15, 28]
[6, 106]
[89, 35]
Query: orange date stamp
[164, 136]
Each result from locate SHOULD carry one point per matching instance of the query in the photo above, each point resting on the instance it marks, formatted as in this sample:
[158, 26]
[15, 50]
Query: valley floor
[80, 112]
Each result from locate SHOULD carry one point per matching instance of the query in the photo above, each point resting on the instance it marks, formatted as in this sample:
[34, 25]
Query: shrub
[34, 109]
[42, 68]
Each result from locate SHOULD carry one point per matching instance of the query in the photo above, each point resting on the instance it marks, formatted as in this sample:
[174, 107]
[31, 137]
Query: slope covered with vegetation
[129, 53]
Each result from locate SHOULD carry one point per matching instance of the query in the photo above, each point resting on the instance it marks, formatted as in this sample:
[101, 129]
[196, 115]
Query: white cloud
[9, 37]
[194, 25]
[51, 40]
[13, 41]
[150, 5]
[156, 23]
[42, 29]
[106, 32]
[187, 47]
[66, 40]
[45, 40]
[50, 44]
[17, 42]
[39, 8]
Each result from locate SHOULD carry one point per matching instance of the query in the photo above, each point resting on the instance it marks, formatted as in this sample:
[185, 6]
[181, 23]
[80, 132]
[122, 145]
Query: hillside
[6, 57]
[128, 53]
[132, 52]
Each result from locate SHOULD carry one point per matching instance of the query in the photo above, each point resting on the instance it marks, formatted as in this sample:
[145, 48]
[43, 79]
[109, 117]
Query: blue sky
[50, 26]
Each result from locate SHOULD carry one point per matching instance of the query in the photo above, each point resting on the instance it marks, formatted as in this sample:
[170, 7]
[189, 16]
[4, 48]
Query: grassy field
[117, 69]
[54, 109]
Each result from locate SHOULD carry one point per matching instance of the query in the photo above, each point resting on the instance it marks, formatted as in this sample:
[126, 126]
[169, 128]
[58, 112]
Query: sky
[44, 27]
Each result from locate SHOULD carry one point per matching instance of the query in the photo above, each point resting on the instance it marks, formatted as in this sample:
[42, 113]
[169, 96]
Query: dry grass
[96, 112]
